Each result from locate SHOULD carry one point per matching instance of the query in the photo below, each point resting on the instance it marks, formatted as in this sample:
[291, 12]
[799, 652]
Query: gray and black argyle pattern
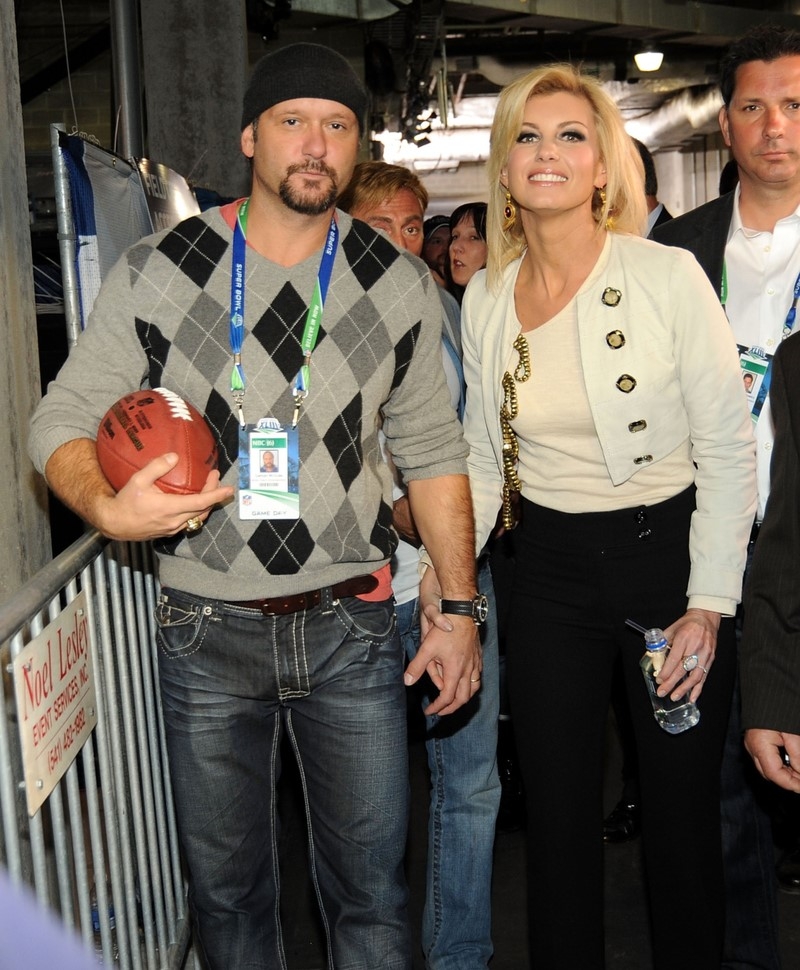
[163, 320]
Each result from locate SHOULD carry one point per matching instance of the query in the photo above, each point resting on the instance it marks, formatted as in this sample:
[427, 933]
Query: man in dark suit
[748, 243]
[657, 212]
[703, 231]
[770, 647]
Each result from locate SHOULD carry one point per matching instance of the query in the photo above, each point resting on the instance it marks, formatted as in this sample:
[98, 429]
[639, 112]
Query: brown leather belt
[280, 605]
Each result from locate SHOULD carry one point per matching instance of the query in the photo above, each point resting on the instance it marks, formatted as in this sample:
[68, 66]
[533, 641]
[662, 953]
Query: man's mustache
[313, 168]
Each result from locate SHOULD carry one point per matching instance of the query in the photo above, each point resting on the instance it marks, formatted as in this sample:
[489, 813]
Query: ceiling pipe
[693, 111]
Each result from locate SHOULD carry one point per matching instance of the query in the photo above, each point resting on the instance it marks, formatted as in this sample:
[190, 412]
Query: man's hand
[138, 511]
[141, 510]
[450, 651]
[767, 751]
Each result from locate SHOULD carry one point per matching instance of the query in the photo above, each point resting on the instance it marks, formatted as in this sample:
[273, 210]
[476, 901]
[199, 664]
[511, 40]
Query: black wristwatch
[477, 608]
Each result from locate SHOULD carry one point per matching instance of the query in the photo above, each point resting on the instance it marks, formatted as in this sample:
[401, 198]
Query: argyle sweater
[162, 319]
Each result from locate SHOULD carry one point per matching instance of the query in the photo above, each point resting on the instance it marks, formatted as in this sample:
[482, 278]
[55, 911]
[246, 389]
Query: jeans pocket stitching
[200, 617]
[354, 629]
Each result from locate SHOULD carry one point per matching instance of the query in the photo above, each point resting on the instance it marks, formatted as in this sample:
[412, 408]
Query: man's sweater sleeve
[107, 362]
[423, 431]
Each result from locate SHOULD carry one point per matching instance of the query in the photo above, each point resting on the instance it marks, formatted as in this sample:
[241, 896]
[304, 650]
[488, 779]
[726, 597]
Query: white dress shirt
[652, 217]
[761, 270]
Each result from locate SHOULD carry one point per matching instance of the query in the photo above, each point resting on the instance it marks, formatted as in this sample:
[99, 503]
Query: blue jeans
[465, 796]
[232, 681]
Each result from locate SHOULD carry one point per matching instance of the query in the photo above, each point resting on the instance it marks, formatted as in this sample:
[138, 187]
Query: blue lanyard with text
[313, 317]
[788, 325]
[236, 329]
[791, 316]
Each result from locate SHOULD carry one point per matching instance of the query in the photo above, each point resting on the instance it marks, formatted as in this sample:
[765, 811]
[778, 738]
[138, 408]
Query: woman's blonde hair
[624, 202]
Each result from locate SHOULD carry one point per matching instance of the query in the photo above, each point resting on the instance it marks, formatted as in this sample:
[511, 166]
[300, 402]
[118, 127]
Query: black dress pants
[578, 578]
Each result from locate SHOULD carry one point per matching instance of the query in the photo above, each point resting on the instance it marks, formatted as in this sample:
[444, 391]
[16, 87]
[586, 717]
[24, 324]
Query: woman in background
[468, 248]
[605, 362]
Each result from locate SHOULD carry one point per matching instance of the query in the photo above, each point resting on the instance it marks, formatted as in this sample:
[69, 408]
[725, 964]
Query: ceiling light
[648, 60]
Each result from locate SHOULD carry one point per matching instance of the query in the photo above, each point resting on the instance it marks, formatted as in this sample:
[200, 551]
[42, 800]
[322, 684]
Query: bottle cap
[655, 640]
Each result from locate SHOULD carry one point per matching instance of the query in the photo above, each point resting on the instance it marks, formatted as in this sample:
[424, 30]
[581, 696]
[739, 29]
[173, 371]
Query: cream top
[561, 462]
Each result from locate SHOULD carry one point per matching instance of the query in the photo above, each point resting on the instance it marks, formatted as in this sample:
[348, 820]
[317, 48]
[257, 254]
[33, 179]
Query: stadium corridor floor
[627, 942]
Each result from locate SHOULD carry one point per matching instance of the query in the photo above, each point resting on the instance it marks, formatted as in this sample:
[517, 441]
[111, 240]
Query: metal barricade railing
[102, 851]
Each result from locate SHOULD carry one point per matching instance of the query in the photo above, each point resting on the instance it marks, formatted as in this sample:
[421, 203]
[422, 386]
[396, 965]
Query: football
[146, 424]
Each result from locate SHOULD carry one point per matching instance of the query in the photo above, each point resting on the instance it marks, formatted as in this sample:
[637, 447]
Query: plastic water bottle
[98, 943]
[673, 716]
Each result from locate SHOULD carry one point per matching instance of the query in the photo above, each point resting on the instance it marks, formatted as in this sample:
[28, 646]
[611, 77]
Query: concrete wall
[23, 521]
[195, 68]
[687, 179]
[91, 83]
[92, 94]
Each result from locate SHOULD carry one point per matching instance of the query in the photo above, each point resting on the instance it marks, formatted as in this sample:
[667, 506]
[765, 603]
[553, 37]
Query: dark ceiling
[484, 43]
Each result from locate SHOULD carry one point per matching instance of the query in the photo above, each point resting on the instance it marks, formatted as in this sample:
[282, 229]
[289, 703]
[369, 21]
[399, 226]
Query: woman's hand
[693, 643]
[403, 521]
[430, 595]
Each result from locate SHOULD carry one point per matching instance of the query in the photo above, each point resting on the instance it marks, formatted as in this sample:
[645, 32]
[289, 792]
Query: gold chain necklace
[509, 409]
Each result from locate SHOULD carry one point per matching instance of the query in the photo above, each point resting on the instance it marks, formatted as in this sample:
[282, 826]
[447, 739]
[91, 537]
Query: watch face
[481, 608]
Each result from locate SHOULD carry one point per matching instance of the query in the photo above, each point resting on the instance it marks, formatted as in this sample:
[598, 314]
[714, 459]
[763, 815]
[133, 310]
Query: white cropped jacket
[660, 366]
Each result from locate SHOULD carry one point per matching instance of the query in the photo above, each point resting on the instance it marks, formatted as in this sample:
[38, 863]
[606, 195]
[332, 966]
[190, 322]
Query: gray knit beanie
[303, 71]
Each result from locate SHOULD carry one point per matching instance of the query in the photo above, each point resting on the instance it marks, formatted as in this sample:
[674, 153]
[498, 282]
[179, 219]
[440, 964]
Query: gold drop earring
[609, 220]
[509, 213]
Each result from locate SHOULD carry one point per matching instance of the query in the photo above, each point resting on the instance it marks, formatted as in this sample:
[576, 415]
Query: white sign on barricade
[56, 705]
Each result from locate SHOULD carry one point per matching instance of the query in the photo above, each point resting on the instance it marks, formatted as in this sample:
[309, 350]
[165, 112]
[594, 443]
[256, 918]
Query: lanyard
[313, 316]
[788, 325]
[791, 316]
[723, 289]
[236, 328]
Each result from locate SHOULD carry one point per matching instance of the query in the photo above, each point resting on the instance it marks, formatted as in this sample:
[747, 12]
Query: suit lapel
[712, 240]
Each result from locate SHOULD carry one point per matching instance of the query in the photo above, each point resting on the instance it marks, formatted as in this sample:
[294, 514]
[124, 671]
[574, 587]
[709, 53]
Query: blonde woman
[604, 385]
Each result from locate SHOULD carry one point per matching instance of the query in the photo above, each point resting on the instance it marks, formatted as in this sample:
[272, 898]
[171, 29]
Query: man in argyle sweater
[278, 622]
